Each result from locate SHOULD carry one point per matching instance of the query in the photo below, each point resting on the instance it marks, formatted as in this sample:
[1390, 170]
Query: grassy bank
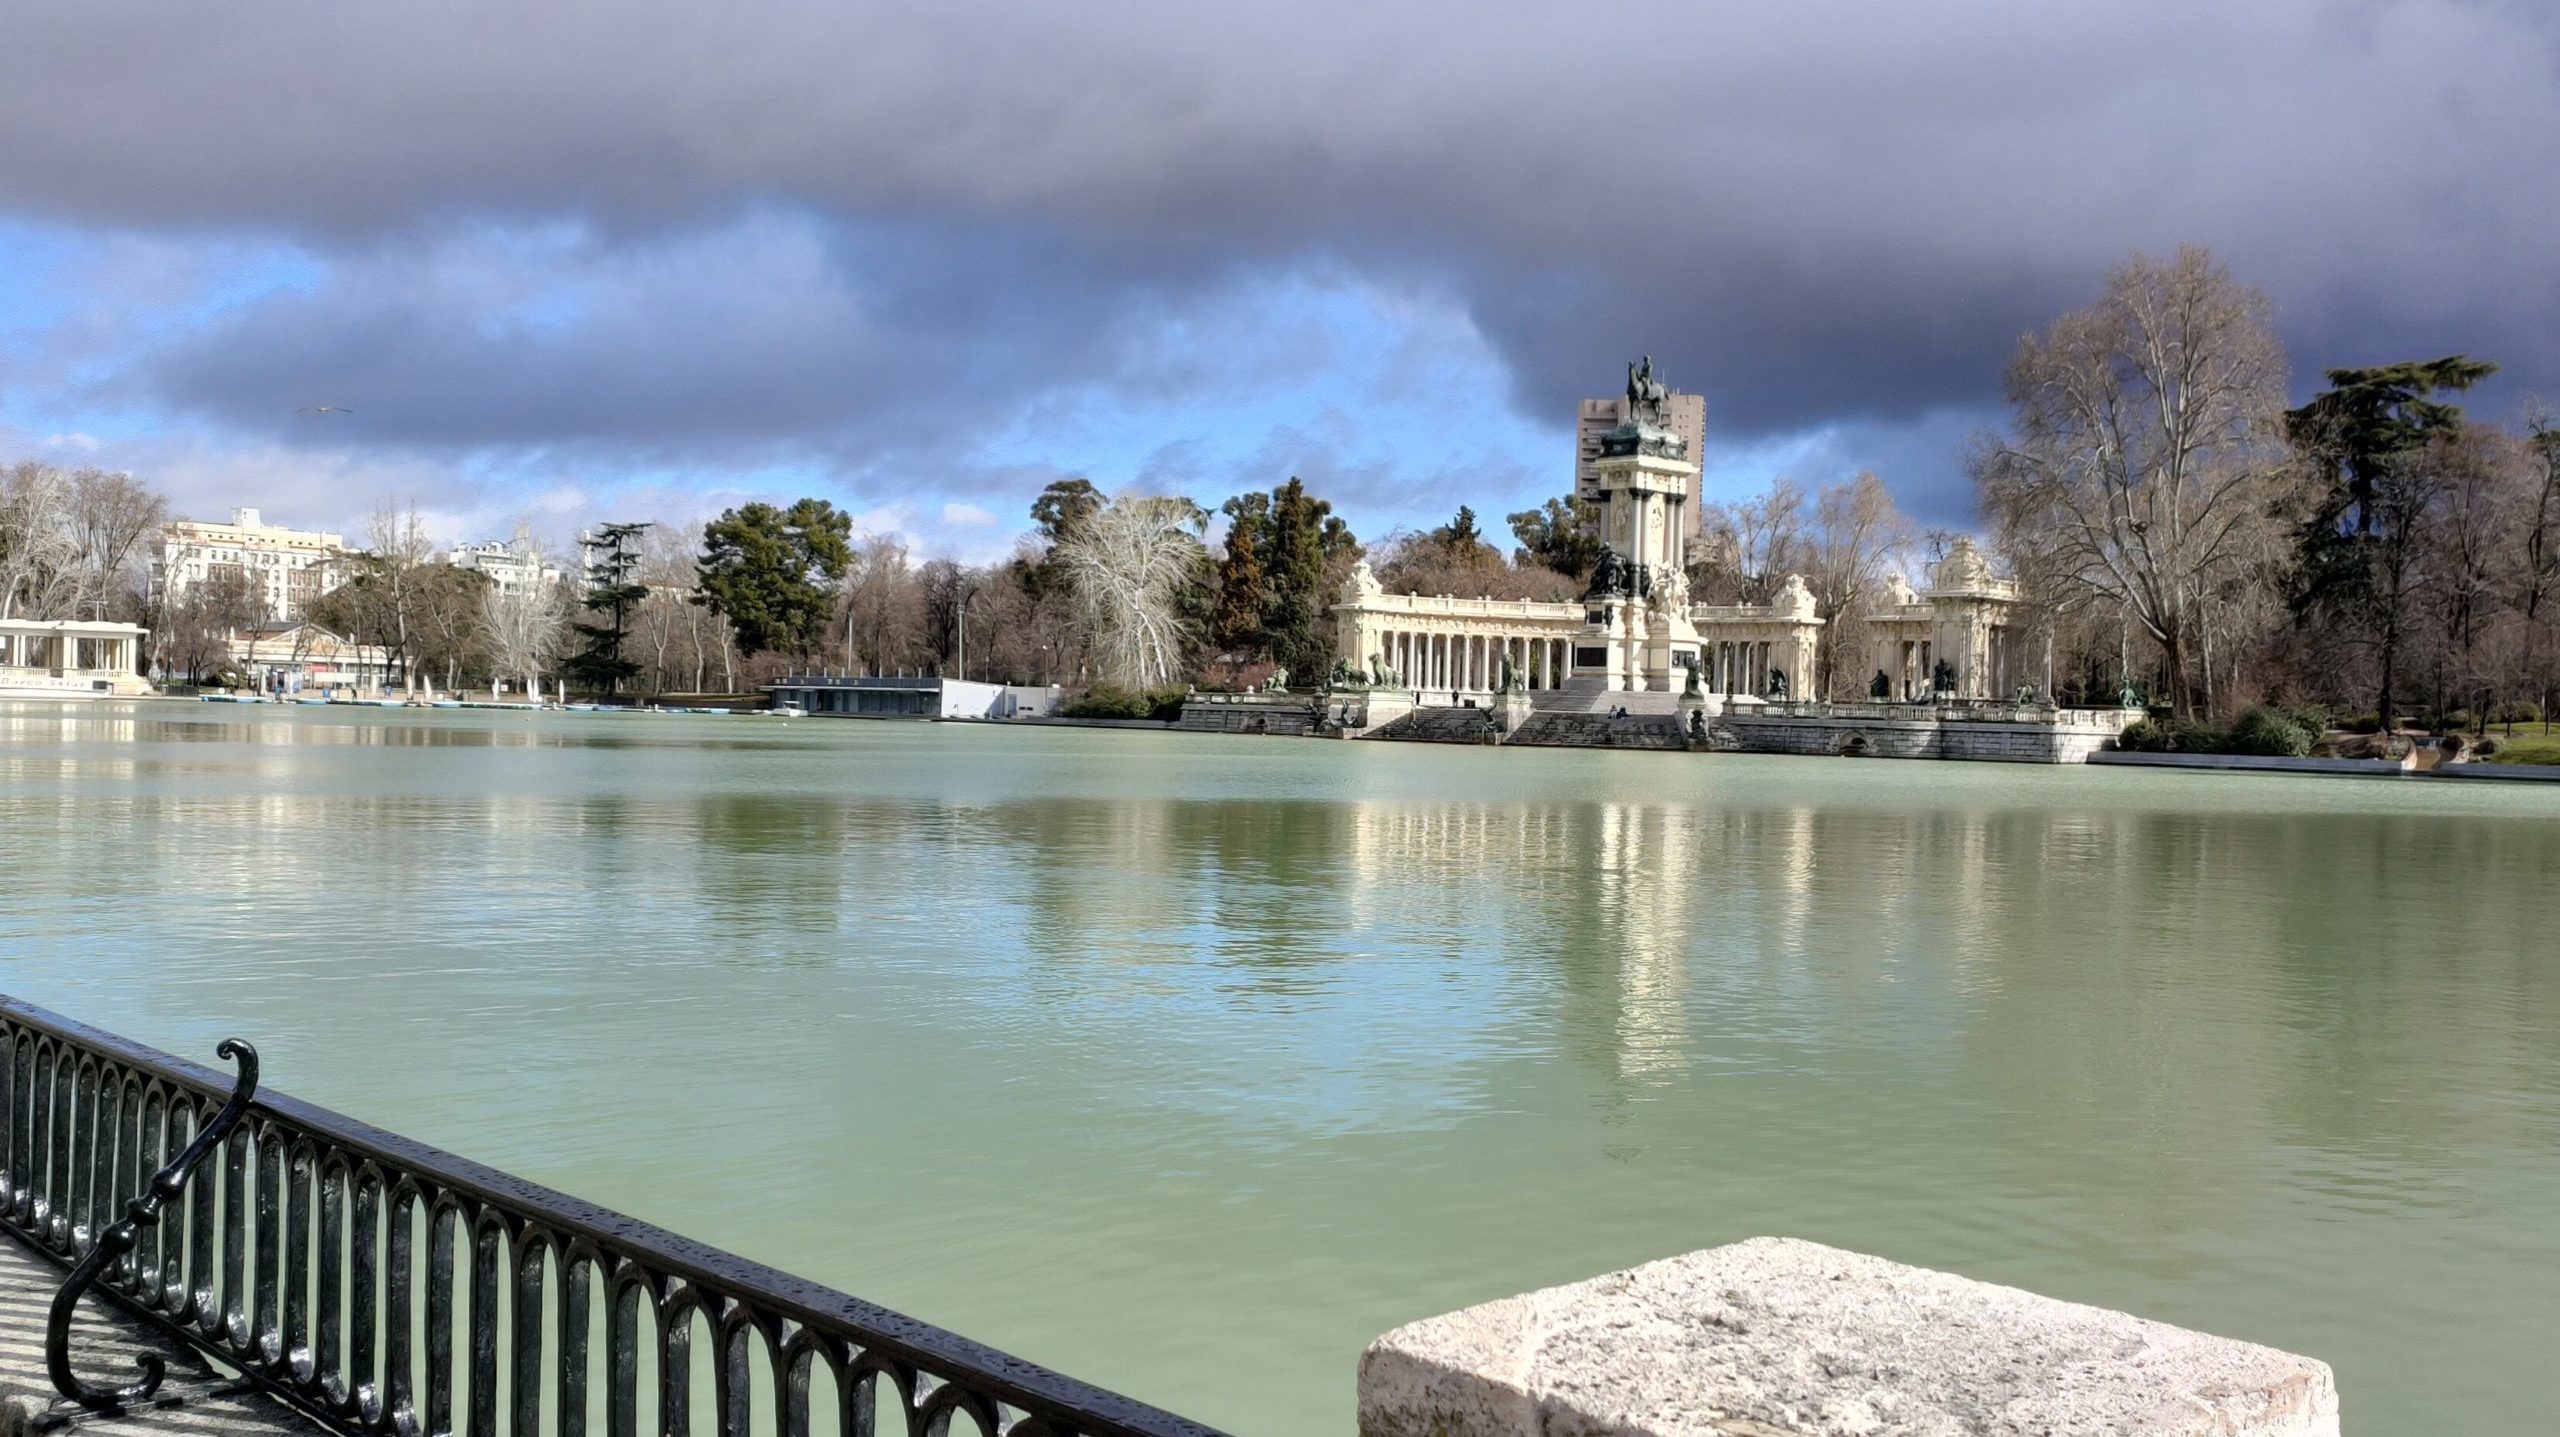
[2542, 748]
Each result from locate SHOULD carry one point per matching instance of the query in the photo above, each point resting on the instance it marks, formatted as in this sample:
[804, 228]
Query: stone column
[1793, 1339]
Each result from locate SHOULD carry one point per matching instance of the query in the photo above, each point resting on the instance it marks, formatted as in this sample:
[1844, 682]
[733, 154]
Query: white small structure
[306, 658]
[919, 696]
[70, 659]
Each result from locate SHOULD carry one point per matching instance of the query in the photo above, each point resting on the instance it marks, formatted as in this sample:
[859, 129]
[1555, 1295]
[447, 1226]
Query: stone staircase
[1566, 729]
[1452, 725]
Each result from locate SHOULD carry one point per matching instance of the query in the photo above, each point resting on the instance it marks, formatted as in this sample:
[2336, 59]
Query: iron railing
[383, 1287]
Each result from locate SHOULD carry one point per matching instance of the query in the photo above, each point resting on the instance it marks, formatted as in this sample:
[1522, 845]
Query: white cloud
[966, 516]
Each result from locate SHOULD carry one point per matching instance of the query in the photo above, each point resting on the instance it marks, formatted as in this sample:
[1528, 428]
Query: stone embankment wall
[1277, 715]
[2005, 734]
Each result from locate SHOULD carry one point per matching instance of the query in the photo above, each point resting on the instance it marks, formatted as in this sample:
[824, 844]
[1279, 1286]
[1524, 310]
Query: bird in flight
[324, 409]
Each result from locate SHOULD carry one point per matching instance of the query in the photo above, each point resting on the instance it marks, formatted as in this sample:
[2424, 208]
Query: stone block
[1780, 1338]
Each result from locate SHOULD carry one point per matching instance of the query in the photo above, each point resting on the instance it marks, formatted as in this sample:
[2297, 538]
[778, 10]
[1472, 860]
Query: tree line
[2179, 527]
[2174, 523]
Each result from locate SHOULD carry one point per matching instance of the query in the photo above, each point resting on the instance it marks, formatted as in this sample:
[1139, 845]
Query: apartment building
[286, 568]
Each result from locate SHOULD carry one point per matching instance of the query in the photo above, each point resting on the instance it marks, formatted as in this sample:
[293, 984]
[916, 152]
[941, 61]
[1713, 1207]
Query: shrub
[2196, 736]
[2144, 736]
[2361, 723]
[2522, 711]
[1109, 701]
[2272, 733]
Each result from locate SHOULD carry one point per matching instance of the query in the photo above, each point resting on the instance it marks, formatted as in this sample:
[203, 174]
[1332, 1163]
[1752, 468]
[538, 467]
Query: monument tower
[1637, 609]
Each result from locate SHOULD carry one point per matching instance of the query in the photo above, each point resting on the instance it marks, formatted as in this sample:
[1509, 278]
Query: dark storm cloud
[749, 341]
[1812, 213]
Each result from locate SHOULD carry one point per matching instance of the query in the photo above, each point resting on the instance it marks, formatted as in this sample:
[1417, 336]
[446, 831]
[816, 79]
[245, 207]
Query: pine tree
[2353, 555]
[1244, 590]
[613, 559]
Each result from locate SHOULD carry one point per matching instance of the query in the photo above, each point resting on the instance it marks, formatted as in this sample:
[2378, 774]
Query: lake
[1189, 1064]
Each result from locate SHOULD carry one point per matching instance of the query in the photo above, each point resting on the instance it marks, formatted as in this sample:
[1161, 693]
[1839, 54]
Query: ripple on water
[1189, 1066]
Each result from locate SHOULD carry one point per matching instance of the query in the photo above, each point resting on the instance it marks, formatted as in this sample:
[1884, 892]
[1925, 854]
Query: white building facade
[510, 567]
[286, 568]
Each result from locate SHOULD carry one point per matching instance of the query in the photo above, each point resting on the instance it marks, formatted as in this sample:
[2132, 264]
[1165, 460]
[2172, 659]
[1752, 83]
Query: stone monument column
[1640, 590]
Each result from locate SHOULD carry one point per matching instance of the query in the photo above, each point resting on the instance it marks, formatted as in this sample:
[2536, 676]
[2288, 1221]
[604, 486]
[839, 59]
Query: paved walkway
[103, 1344]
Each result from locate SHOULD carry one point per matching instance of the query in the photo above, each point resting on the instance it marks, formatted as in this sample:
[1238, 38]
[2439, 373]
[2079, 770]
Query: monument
[1636, 621]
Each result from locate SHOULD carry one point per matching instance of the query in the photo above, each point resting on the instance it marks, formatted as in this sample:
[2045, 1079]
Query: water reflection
[1262, 1048]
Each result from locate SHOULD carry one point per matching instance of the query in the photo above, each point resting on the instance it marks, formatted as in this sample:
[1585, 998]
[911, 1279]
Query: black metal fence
[392, 1290]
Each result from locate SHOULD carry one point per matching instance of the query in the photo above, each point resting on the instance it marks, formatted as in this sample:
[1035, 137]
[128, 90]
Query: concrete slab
[1780, 1338]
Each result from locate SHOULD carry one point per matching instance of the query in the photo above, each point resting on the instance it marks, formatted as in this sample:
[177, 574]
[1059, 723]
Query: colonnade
[1463, 662]
[70, 652]
[1736, 666]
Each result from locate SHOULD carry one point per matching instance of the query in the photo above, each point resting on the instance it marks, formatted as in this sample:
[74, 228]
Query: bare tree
[2147, 457]
[883, 608]
[110, 515]
[1857, 532]
[1128, 567]
[40, 568]
[525, 626]
[398, 551]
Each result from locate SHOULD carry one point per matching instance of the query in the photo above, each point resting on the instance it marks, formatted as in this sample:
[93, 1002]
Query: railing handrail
[1009, 1379]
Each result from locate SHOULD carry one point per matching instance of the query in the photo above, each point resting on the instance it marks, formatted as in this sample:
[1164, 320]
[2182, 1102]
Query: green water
[1189, 1064]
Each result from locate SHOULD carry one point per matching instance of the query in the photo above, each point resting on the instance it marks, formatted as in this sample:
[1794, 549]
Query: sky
[577, 262]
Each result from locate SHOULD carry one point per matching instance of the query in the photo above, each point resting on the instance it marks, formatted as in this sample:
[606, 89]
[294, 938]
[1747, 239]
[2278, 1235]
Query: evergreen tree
[1305, 537]
[1244, 590]
[1562, 535]
[1460, 533]
[613, 564]
[773, 573]
[2355, 552]
[1060, 513]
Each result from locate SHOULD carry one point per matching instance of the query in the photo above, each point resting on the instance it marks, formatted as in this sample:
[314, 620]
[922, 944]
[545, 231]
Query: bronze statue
[1647, 397]
[1882, 689]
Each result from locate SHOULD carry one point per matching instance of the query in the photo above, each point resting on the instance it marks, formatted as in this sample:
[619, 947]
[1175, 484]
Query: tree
[2536, 581]
[110, 516]
[1127, 566]
[1856, 531]
[1563, 535]
[1460, 533]
[1059, 514]
[524, 626]
[195, 633]
[1244, 587]
[1747, 549]
[614, 590]
[396, 559]
[451, 603]
[2146, 456]
[1306, 539]
[2367, 438]
[884, 609]
[40, 569]
[772, 573]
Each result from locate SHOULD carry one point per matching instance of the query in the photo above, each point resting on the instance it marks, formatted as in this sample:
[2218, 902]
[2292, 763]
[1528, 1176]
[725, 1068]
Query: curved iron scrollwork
[117, 1241]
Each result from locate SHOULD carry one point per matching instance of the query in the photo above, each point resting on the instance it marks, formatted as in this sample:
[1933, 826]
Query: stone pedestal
[1779, 1338]
[1511, 709]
